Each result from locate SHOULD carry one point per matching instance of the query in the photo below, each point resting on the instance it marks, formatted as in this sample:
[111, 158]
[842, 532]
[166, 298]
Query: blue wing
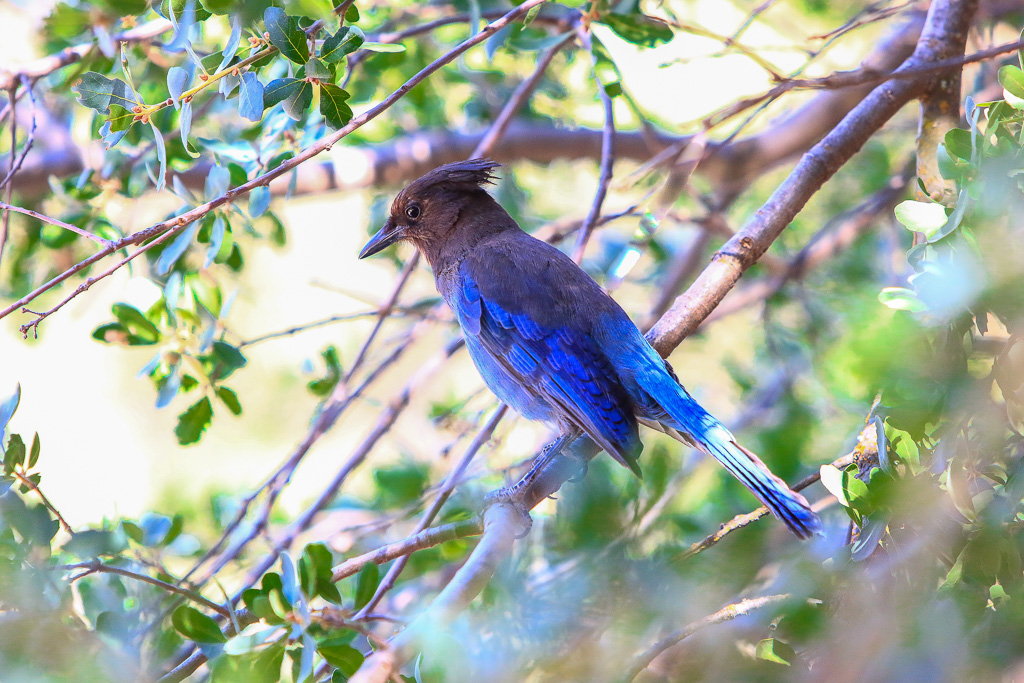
[534, 367]
[662, 402]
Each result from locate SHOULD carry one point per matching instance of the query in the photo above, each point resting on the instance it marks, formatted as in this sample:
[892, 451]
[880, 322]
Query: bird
[550, 342]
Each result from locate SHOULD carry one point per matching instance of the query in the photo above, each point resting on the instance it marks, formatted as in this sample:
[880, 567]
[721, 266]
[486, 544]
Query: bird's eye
[412, 211]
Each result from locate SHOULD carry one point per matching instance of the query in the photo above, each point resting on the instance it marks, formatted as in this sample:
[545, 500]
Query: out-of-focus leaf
[174, 251]
[901, 299]
[228, 359]
[230, 399]
[141, 329]
[383, 47]
[196, 626]
[339, 653]
[923, 217]
[259, 199]
[194, 421]
[1012, 80]
[639, 29]
[14, 454]
[8, 407]
[775, 650]
[366, 584]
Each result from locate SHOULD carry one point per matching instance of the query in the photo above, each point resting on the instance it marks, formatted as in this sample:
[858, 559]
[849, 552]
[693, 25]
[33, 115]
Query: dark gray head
[427, 211]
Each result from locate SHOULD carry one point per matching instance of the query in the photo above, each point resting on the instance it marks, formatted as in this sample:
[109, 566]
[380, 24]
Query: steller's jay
[549, 341]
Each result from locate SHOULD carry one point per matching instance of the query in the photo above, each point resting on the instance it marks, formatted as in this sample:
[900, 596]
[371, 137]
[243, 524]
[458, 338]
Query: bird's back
[529, 316]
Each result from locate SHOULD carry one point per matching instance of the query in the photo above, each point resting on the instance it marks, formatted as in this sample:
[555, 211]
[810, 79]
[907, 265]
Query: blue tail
[664, 404]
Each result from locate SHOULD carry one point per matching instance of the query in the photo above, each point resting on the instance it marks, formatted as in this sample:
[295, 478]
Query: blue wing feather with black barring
[563, 366]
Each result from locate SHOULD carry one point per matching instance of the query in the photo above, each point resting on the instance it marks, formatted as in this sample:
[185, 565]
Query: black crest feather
[458, 175]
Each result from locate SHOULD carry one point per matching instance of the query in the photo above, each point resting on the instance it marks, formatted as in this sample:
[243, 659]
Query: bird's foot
[511, 496]
[584, 468]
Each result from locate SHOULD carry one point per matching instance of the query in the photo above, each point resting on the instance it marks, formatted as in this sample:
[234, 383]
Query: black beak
[384, 238]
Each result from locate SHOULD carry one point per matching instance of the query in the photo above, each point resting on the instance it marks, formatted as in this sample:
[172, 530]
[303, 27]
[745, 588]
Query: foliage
[918, 369]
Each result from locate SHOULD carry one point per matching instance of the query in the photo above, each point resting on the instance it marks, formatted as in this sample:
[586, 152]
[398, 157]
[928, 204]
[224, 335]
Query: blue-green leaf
[250, 97]
[170, 255]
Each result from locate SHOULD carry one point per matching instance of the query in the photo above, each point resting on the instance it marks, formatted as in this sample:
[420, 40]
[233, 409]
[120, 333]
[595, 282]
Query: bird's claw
[509, 495]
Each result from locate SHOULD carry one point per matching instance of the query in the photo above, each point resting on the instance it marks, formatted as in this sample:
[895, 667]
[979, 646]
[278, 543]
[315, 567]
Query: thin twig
[740, 521]
[503, 524]
[450, 482]
[607, 153]
[6, 206]
[427, 538]
[6, 221]
[97, 567]
[45, 501]
[29, 141]
[727, 613]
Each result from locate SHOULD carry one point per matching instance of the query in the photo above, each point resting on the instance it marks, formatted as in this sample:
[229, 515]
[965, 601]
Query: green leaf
[196, 626]
[33, 457]
[383, 47]
[15, 453]
[286, 35]
[98, 92]
[180, 6]
[279, 90]
[901, 299]
[317, 70]
[958, 143]
[230, 399]
[141, 332]
[94, 543]
[639, 29]
[775, 650]
[339, 654]
[923, 217]
[347, 40]
[228, 359]
[120, 118]
[333, 107]
[194, 421]
[1012, 80]
[297, 104]
[366, 584]
[218, 6]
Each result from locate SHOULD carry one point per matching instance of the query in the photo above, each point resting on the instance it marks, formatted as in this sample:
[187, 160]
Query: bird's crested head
[428, 210]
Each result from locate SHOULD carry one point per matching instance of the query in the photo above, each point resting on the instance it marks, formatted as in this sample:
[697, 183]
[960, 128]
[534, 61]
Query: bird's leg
[550, 451]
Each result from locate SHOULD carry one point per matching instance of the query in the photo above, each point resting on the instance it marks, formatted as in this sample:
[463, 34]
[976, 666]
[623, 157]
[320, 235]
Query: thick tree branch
[944, 35]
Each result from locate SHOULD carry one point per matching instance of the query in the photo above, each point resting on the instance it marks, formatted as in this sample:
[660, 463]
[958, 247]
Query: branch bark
[944, 36]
